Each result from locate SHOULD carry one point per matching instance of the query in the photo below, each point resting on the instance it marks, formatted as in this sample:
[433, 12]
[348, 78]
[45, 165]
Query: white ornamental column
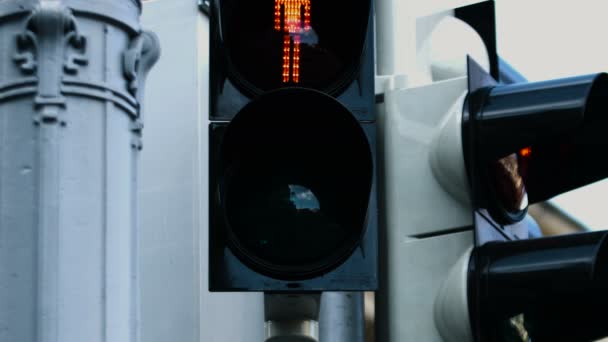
[71, 79]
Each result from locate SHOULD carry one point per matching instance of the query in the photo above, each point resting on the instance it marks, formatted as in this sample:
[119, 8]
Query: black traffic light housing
[292, 193]
[556, 285]
[549, 135]
[526, 143]
[482, 18]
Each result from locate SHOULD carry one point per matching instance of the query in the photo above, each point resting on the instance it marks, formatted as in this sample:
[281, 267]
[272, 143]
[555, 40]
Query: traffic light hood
[549, 137]
[514, 116]
[526, 143]
[558, 284]
[550, 289]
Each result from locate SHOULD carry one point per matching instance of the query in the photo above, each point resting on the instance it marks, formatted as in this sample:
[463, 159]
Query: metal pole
[342, 317]
[292, 317]
[71, 79]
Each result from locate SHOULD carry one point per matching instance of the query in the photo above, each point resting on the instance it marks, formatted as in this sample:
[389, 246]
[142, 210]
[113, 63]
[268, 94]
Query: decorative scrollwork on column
[50, 35]
[77, 51]
[27, 46]
[143, 52]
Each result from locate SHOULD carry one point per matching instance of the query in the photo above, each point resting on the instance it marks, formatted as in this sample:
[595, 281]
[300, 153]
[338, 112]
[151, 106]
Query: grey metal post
[329, 317]
[342, 317]
[71, 79]
[292, 317]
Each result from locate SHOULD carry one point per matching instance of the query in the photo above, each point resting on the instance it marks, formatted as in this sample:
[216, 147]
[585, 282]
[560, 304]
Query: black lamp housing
[292, 194]
[558, 286]
[526, 143]
[553, 132]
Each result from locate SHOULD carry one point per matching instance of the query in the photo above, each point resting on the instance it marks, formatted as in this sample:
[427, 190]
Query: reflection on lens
[515, 330]
[303, 198]
[509, 184]
[284, 223]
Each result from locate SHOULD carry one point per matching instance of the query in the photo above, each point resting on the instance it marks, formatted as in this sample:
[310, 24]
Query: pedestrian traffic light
[526, 143]
[292, 193]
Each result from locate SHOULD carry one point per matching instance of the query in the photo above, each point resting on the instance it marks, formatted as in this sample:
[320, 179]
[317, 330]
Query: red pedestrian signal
[292, 146]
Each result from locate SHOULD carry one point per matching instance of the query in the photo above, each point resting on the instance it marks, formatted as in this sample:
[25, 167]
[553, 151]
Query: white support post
[342, 317]
[176, 302]
[427, 222]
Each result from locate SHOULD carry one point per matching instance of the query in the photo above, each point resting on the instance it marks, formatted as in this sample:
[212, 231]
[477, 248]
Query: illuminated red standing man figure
[295, 22]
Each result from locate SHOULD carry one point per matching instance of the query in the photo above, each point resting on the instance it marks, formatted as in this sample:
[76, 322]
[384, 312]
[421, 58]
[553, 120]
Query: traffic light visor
[533, 141]
[556, 286]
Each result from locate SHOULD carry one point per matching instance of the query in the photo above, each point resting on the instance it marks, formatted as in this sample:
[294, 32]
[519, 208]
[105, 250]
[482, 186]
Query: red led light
[286, 53]
[294, 24]
[525, 152]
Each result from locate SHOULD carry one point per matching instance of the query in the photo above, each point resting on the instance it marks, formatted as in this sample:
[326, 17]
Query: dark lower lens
[283, 221]
[296, 184]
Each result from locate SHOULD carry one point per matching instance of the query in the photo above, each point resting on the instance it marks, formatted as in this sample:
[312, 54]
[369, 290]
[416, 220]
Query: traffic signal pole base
[292, 331]
[292, 317]
[342, 317]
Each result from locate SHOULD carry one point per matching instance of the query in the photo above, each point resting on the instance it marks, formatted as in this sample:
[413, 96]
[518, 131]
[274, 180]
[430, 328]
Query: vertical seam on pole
[104, 247]
[2, 144]
[134, 278]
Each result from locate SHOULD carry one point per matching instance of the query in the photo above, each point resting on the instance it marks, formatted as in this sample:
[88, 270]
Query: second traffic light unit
[292, 146]
[522, 144]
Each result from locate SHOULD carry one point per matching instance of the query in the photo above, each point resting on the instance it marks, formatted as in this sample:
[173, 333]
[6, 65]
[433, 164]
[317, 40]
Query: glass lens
[309, 43]
[283, 221]
[298, 175]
